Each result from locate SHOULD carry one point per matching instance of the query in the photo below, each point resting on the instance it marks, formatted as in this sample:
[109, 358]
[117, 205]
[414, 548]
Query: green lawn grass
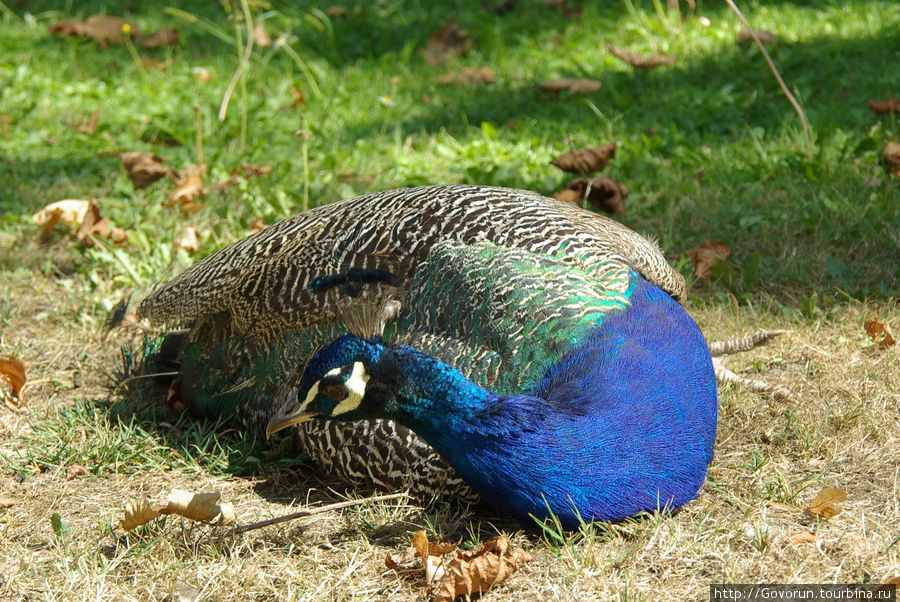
[709, 149]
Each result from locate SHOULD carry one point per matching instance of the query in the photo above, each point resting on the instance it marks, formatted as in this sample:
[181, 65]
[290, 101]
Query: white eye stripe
[356, 389]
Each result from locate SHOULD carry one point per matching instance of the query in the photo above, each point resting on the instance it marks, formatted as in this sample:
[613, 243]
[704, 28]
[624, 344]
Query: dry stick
[777, 75]
[318, 510]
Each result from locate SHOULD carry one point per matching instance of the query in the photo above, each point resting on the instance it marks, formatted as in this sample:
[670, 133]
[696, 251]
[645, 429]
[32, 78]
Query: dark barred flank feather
[537, 349]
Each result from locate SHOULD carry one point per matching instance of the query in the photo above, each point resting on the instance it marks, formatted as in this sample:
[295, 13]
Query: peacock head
[347, 379]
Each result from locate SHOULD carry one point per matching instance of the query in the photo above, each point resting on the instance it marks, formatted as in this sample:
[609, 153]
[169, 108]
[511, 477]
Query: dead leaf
[603, 193]
[251, 170]
[103, 29]
[801, 538]
[349, 177]
[421, 548]
[467, 77]
[204, 507]
[69, 211]
[143, 168]
[607, 195]
[744, 37]
[188, 240]
[569, 195]
[704, 255]
[336, 10]
[475, 572]
[884, 107]
[76, 470]
[256, 225]
[586, 160]
[95, 225]
[261, 36]
[828, 503]
[201, 74]
[891, 156]
[880, 332]
[137, 513]
[448, 41]
[5, 502]
[189, 186]
[298, 98]
[641, 62]
[573, 85]
[12, 374]
[161, 37]
[90, 126]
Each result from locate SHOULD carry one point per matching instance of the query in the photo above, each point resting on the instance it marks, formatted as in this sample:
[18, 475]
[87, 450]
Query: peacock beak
[295, 414]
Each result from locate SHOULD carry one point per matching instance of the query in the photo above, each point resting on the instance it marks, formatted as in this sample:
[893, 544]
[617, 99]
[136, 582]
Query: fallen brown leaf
[251, 170]
[603, 193]
[103, 29]
[475, 572]
[204, 507]
[336, 10]
[90, 126]
[828, 503]
[257, 225]
[883, 107]
[569, 195]
[261, 36]
[189, 186]
[744, 37]
[188, 240]
[143, 168]
[704, 255]
[93, 224]
[137, 513]
[5, 502]
[76, 470]
[801, 538]
[880, 332]
[891, 156]
[467, 77]
[420, 548]
[586, 160]
[161, 37]
[641, 62]
[298, 98]
[573, 85]
[201, 74]
[448, 41]
[69, 211]
[12, 374]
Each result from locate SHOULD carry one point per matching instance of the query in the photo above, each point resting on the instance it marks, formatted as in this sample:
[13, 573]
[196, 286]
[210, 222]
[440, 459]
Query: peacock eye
[335, 391]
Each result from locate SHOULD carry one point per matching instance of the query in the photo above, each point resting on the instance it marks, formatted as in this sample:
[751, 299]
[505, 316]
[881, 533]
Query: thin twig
[317, 510]
[777, 75]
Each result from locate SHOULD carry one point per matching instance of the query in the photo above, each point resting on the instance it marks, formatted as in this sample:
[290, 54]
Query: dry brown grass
[840, 430]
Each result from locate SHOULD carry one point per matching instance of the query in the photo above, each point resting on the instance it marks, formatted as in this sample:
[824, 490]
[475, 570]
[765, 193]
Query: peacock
[456, 340]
